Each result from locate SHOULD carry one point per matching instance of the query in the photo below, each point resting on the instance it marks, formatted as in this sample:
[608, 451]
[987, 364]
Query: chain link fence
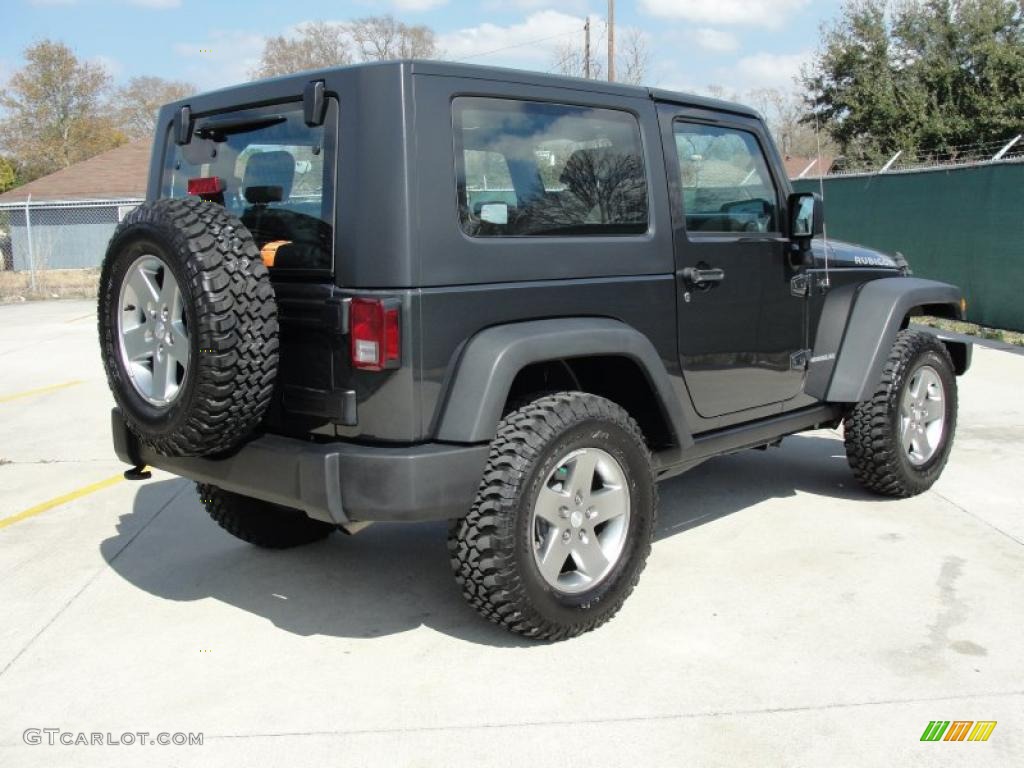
[959, 223]
[37, 236]
[961, 156]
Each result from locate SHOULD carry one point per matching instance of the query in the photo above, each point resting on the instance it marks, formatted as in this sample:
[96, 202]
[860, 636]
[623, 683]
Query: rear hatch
[276, 173]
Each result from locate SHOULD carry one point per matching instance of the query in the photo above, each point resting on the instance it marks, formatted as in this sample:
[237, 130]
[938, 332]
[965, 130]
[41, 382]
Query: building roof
[116, 174]
[799, 167]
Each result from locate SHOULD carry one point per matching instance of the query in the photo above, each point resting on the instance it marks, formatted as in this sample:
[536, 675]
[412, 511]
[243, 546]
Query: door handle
[703, 278]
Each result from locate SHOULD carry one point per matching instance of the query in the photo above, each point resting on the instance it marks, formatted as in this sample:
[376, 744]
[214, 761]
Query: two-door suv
[422, 291]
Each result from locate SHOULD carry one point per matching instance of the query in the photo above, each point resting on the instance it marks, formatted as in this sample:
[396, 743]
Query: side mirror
[806, 218]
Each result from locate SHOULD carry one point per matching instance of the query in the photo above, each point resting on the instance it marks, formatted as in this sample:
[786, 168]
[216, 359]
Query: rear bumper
[335, 482]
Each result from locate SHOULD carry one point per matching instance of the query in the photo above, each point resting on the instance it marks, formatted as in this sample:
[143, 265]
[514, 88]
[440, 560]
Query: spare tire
[188, 327]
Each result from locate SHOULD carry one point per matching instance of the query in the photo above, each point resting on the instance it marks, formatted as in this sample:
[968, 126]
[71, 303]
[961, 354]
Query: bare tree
[53, 111]
[784, 111]
[137, 102]
[320, 44]
[315, 45]
[632, 60]
[378, 38]
[634, 57]
[716, 91]
[570, 57]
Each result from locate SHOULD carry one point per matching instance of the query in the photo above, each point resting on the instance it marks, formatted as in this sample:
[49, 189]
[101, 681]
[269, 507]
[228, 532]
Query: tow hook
[138, 472]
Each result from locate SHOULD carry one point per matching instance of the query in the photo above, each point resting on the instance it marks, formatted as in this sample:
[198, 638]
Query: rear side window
[534, 168]
[277, 174]
[726, 186]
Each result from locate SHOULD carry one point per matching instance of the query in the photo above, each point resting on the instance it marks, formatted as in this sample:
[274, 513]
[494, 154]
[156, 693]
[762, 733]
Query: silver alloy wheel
[152, 331]
[922, 415]
[581, 520]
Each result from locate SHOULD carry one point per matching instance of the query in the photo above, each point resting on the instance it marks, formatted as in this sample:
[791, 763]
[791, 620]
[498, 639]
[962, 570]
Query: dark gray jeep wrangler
[422, 291]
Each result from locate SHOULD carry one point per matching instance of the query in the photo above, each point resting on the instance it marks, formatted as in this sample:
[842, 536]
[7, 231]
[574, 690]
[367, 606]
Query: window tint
[277, 176]
[531, 168]
[726, 186]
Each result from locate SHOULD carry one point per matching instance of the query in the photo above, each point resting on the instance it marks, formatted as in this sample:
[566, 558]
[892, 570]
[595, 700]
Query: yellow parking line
[40, 391]
[46, 505]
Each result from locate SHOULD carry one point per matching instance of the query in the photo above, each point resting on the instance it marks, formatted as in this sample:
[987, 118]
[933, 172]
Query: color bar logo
[958, 730]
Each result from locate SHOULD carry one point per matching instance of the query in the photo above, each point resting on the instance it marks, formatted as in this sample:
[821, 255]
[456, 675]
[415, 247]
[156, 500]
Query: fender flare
[491, 360]
[851, 346]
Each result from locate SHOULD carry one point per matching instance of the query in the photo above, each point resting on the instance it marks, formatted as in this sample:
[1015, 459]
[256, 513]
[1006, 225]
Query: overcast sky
[738, 44]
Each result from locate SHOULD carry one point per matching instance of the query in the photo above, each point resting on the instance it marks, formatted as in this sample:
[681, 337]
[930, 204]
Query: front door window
[724, 180]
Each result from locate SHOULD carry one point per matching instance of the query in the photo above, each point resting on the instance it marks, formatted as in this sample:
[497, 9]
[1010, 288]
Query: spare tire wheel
[188, 327]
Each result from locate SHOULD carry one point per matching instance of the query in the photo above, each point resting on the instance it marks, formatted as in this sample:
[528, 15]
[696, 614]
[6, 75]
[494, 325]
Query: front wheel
[898, 442]
[562, 524]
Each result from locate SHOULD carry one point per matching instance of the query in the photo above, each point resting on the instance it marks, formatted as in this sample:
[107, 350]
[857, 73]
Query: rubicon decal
[958, 730]
[873, 261]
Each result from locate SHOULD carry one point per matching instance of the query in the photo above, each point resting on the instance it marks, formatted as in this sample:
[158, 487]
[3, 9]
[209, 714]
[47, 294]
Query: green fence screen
[961, 225]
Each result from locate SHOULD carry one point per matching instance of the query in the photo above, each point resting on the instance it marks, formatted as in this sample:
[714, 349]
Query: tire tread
[259, 522]
[481, 545]
[237, 318]
[871, 441]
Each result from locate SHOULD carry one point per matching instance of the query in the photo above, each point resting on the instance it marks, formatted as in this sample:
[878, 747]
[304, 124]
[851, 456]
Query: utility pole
[611, 41]
[586, 49]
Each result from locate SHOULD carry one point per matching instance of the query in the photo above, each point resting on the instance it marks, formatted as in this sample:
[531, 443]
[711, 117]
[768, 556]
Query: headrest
[268, 170]
[266, 193]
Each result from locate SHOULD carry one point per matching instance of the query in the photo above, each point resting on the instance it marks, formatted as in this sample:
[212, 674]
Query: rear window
[277, 174]
[534, 168]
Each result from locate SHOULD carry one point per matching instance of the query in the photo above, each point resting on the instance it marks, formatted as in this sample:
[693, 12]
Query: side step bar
[721, 442]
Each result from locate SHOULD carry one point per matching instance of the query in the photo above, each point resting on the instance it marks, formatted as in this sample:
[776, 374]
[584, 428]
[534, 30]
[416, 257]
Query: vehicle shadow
[392, 578]
[811, 464]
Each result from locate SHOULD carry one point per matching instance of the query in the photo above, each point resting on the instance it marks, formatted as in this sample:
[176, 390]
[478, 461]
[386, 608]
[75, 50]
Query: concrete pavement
[786, 617]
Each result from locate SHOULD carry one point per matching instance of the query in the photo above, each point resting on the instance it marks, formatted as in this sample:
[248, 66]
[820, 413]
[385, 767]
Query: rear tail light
[374, 333]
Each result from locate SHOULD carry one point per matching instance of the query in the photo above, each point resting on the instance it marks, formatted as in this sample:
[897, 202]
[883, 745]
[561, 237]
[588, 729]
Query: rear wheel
[260, 522]
[562, 524]
[898, 442]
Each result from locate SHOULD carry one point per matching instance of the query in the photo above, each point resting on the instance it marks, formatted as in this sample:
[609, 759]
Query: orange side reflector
[269, 251]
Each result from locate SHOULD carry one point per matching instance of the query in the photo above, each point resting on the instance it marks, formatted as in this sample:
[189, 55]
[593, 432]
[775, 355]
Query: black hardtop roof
[243, 93]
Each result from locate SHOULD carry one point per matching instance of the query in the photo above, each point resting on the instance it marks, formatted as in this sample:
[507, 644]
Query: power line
[518, 45]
